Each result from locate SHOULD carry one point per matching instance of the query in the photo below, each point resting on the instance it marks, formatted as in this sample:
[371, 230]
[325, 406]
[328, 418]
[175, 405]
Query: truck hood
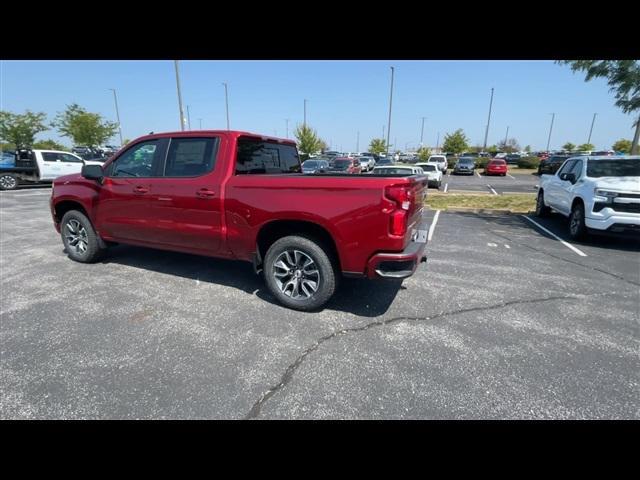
[626, 184]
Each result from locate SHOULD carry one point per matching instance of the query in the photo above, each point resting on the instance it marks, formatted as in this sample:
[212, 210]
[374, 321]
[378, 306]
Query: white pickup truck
[600, 193]
[36, 166]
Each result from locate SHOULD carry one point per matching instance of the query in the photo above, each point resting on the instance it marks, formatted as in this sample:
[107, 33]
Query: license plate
[421, 236]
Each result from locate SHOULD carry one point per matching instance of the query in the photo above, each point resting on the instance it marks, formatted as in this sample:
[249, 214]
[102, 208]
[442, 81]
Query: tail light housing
[403, 199]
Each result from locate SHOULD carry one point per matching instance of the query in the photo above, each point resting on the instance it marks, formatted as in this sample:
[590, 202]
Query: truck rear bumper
[399, 265]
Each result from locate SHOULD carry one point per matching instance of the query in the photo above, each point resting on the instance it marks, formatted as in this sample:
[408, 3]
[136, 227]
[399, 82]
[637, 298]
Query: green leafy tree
[49, 145]
[510, 146]
[125, 142]
[21, 129]
[424, 153]
[323, 146]
[586, 147]
[623, 77]
[569, 147]
[527, 148]
[7, 147]
[456, 142]
[308, 140]
[378, 146]
[84, 128]
[622, 145]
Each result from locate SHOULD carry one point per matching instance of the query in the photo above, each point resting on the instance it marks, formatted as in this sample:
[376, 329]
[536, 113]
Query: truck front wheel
[299, 273]
[79, 238]
[8, 181]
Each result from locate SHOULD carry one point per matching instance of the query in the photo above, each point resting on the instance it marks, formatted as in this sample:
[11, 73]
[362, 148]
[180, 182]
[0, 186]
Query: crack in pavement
[596, 269]
[290, 370]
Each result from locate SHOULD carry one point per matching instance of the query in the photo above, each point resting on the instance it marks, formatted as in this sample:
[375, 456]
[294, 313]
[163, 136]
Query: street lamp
[115, 98]
[226, 101]
[422, 131]
[390, 103]
[287, 123]
[200, 120]
[305, 113]
[188, 117]
[486, 133]
[591, 131]
[175, 62]
[553, 116]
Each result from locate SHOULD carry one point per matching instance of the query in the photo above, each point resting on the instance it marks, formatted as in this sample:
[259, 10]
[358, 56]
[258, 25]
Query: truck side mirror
[569, 177]
[92, 172]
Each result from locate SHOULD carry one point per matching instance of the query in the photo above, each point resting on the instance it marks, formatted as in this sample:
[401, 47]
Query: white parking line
[511, 176]
[446, 185]
[566, 244]
[44, 194]
[492, 190]
[478, 173]
[433, 226]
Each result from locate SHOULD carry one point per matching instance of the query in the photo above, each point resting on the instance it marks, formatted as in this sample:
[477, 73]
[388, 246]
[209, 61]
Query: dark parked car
[512, 158]
[345, 165]
[313, 166]
[384, 161]
[551, 164]
[464, 165]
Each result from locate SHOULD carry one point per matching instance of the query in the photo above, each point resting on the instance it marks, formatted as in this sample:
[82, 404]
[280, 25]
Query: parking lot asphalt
[504, 321]
[493, 184]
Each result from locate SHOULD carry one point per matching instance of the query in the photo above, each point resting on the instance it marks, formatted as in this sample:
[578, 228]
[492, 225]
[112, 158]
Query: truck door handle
[140, 189]
[205, 193]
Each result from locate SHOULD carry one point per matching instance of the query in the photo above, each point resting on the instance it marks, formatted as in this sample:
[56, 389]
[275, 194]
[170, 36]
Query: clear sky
[344, 97]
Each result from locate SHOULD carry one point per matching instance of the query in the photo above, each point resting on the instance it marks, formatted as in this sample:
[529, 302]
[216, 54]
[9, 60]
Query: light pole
[390, 103]
[506, 137]
[287, 123]
[438, 141]
[188, 118]
[591, 131]
[358, 143]
[553, 116]
[422, 131]
[226, 101]
[382, 132]
[200, 120]
[486, 133]
[305, 113]
[115, 98]
[175, 62]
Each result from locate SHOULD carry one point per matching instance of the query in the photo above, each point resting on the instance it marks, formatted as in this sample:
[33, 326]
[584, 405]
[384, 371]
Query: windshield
[465, 161]
[341, 164]
[310, 164]
[613, 168]
[428, 168]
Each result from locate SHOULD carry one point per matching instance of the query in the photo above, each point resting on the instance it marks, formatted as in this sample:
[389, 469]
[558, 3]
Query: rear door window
[256, 157]
[50, 156]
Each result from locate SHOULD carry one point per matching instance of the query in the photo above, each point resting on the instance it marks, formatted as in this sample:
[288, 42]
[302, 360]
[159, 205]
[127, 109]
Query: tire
[79, 238]
[439, 185]
[288, 286]
[8, 181]
[577, 227]
[541, 209]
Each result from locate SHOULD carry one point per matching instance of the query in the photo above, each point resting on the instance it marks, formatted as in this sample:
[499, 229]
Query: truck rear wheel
[8, 181]
[299, 272]
[79, 238]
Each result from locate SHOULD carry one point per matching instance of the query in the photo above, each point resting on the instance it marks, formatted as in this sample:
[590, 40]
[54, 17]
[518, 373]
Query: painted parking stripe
[446, 186]
[433, 226]
[47, 194]
[566, 244]
[478, 173]
[511, 176]
[492, 190]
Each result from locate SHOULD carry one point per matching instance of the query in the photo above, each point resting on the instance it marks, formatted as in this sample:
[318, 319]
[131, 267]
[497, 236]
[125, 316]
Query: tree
[424, 153]
[49, 145]
[21, 129]
[569, 147]
[125, 142]
[84, 128]
[510, 146]
[623, 77]
[323, 145]
[586, 147]
[308, 141]
[456, 142]
[527, 148]
[622, 145]
[378, 146]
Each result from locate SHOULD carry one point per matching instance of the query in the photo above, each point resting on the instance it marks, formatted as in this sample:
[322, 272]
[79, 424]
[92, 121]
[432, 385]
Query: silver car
[313, 166]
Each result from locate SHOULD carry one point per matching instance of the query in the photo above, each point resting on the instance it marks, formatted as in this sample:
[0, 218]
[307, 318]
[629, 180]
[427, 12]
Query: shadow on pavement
[359, 297]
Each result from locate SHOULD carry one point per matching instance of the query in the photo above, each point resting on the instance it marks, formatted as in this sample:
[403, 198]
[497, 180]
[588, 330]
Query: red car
[496, 166]
[243, 196]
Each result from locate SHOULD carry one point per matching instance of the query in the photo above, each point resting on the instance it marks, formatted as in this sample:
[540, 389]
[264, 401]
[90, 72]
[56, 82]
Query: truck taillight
[402, 196]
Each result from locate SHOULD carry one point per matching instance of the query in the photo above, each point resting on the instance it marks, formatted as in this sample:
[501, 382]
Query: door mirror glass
[92, 172]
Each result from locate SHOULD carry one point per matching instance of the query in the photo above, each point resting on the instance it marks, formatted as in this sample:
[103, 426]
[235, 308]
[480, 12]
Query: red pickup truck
[242, 196]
